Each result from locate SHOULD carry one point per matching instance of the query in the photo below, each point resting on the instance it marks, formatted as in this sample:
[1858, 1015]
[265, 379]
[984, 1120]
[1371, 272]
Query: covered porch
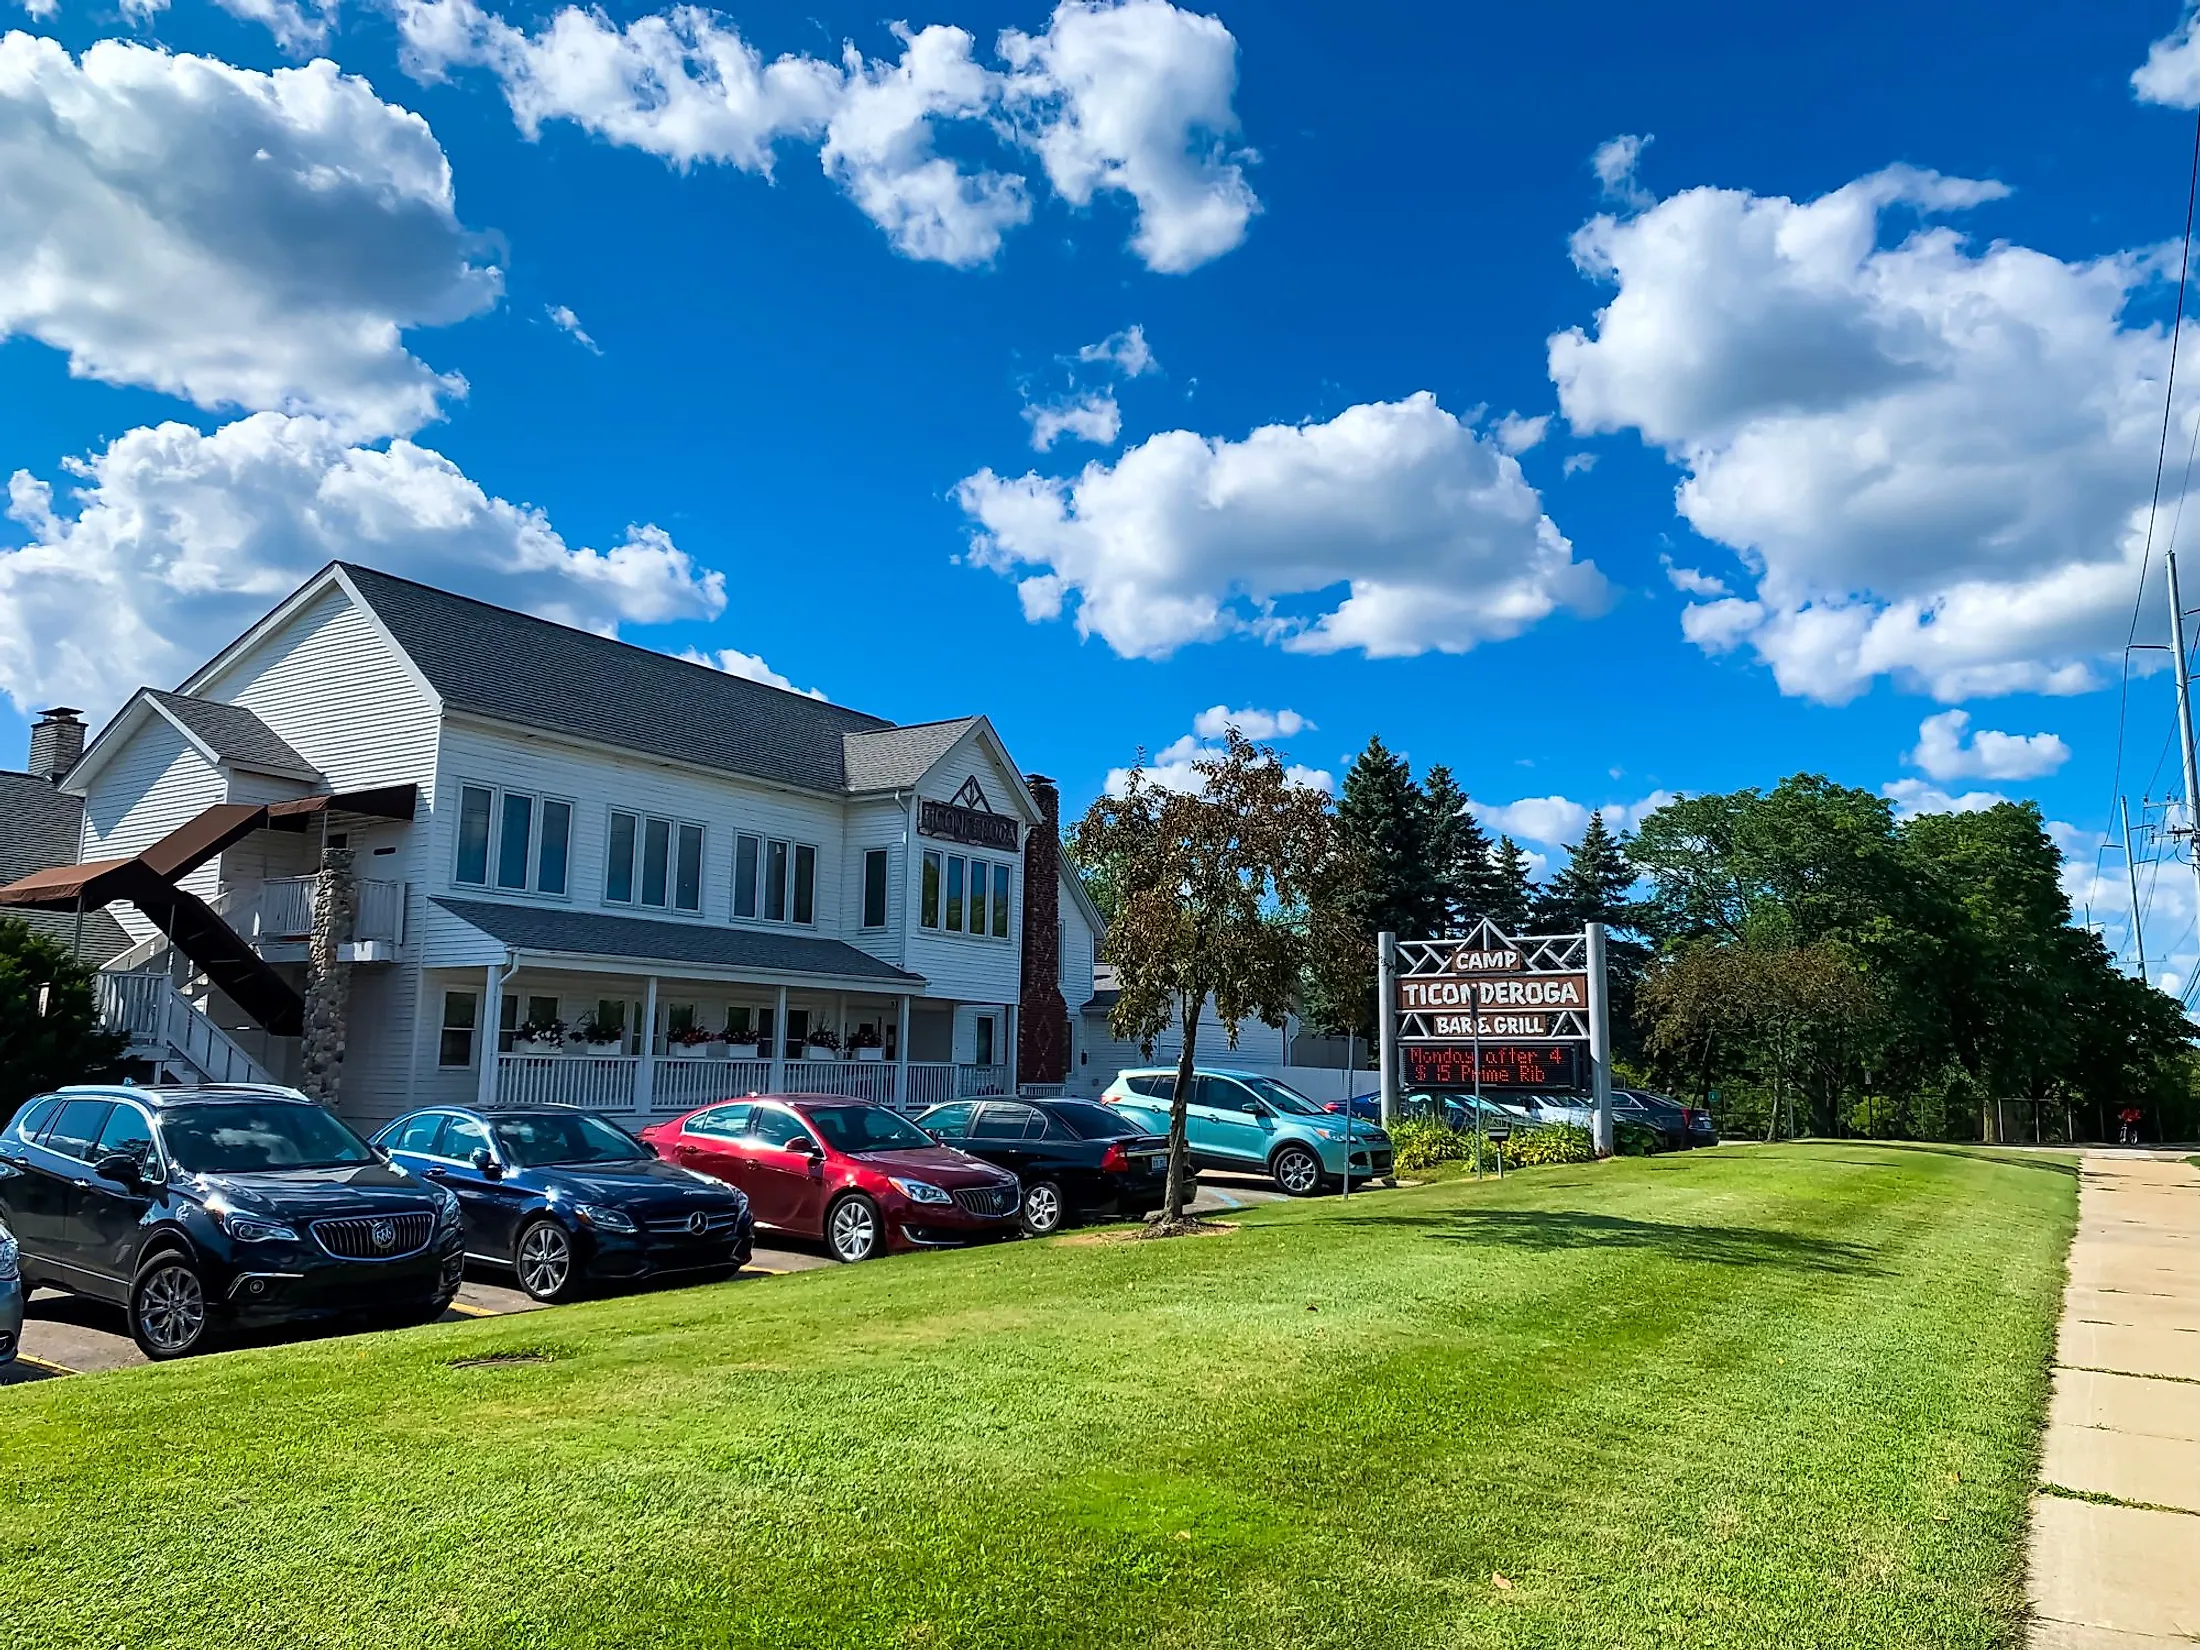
[645, 1036]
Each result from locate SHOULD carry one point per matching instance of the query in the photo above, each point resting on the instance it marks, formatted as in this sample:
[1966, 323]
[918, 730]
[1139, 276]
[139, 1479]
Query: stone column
[328, 979]
[1041, 1054]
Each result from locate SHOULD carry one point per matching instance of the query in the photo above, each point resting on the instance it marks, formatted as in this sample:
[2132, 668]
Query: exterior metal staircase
[167, 1029]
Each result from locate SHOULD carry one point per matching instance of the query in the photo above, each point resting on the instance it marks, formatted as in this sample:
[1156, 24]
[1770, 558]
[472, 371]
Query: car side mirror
[485, 1162]
[804, 1144]
[1252, 1108]
[121, 1168]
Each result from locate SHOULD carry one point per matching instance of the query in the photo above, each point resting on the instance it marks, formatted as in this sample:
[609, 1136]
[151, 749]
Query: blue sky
[1916, 409]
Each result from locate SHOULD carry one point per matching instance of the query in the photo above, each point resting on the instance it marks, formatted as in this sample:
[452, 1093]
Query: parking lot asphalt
[69, 1335]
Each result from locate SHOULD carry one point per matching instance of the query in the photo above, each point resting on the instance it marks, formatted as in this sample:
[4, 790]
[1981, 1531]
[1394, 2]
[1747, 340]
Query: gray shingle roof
[894, 759]
[234, 733]
[593, 934]
[39, 829]
[519, 669]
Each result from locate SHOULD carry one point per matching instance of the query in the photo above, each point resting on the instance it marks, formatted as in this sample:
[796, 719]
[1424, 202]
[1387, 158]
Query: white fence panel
[682, 1085]
[594, 1082]
[858, 1079]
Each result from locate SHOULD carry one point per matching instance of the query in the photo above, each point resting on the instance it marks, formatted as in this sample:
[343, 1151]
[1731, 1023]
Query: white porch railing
[162, 1023]
[281, 908]
[612, 1082]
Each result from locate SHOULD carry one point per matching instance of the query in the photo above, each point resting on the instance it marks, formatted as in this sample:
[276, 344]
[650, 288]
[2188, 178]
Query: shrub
[1635, 1139]
[1552, 1143]
[1421, 1143]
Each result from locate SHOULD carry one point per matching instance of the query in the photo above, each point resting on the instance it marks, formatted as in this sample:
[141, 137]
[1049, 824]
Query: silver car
[11, 1298]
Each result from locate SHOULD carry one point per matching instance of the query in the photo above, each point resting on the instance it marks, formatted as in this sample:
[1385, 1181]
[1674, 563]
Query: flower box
[690, 1051]
[870, 1054]
[821, 1051]
[741, 1051]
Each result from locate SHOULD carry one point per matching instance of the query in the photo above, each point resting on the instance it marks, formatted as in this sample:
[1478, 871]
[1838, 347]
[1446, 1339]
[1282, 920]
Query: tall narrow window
[977, 897]
[955, 893]
[1000, 902]
[687, 880]
[473, 836]
[461, 1009]
[656, 859]
[513, 835]
[985, 1040]
[805, 883]
[928, 908]
[775, 881]
[618, 875]
[746, 850]
[874, 888]
[508, 1023]
[556, 844]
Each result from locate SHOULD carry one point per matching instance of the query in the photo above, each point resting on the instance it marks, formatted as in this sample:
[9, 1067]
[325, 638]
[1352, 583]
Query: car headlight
[252, 1229]
[604, 1217]
[1330, 1134]
[10, 1267]
[446, 1204]
[920, 1191]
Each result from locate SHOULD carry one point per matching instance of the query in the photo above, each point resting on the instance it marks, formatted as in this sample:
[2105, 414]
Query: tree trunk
[1179, 1143]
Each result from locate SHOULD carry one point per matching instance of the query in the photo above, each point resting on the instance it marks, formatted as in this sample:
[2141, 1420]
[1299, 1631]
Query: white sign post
[1600, 1040]
[1386, 1028]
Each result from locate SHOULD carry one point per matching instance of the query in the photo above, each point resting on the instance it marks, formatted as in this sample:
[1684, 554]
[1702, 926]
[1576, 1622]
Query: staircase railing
[153, 1014]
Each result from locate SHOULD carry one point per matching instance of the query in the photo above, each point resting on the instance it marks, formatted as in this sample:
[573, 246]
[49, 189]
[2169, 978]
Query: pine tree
[1460, 854]
[1383, 820]
[1516, 895]
[1594, 885]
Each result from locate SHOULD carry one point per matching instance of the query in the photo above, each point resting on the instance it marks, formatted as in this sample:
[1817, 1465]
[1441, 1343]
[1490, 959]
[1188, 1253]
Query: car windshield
[534, 1142]
[867, 1129]
[1089, 1122]
[1289, 1101]
[241, 1136]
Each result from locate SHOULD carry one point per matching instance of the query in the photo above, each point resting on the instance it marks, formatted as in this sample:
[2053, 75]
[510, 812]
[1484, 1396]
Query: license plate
[1157, 1165]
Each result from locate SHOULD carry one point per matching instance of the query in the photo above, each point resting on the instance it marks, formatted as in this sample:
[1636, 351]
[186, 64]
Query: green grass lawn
[1777, 1397]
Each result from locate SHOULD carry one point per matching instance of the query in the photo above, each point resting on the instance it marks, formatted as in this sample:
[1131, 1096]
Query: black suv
[193, 1208]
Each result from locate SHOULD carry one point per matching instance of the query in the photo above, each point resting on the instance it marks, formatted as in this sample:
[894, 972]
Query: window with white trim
[653, 861]
[874, 888]
[774, 880]
[517, 842]
[461, 1012]
[964, 895]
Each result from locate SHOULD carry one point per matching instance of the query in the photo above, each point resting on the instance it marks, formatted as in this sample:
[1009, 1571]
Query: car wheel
[544, 1260]
[1297, 1171]
[853, 1229]
[169, 1314]
[1044, 1209]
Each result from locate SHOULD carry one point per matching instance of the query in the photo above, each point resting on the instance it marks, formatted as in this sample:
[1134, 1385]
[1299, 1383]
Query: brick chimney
[57, 740]
[1042, 1017]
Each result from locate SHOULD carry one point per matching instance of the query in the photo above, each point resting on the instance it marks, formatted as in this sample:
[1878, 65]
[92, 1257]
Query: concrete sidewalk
[2120, 1570]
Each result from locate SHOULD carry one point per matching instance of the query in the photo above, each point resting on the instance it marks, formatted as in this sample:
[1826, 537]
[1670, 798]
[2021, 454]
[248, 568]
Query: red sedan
[862, 1178]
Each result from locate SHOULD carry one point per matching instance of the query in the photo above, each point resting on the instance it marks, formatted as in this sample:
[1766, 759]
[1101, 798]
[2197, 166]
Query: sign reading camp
[1489, 988]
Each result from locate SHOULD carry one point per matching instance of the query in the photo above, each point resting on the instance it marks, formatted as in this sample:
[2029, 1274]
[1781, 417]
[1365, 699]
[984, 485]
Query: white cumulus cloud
[1125, 96]
[1092, 417]
[2171, 73]
[1127, 352]
[173, 541]
[734, 662]
[1912, 797]
[1690, 581]
[1394, 529]
[238, 239]
[1946, 750]
[1260, 726]
[1934, 456]
[1515, 434]
[1172, 767]
[1558, 820]
[296, 27]
[570, 324]
[1614, 163]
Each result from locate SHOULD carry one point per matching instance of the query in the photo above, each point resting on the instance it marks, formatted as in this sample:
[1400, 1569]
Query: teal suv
[1241, 1120]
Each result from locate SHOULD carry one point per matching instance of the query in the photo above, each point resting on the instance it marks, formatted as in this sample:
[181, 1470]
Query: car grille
[716, 1223]
[987, 1200]
[375, 1237]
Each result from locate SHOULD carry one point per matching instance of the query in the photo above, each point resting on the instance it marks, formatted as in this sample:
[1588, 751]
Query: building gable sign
[968, 819]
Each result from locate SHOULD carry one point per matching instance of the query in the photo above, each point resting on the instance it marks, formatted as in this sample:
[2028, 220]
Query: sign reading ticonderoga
[1492, 985]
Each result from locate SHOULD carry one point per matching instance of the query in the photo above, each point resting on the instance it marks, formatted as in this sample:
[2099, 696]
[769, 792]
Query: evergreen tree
[1460, 854]
[1515, 893]
[1593, 886]
[1383, 820]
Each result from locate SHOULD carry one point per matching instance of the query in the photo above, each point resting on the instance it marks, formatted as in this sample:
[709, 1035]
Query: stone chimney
[57, 740]
[1042, 1018]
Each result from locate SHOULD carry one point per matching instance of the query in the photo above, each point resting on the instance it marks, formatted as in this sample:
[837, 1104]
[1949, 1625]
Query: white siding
[876, 822]
[1079, 943]
[956, 965]
[155, 783]
[1259, 1048]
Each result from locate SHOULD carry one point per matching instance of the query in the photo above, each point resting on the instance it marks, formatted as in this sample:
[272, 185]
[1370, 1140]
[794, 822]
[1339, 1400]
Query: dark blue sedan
[564, 1198]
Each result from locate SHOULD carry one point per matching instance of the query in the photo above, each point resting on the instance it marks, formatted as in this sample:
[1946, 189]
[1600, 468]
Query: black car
[1074, 1157]
[1679, 1126]
[563, 1197]
[198, 1208]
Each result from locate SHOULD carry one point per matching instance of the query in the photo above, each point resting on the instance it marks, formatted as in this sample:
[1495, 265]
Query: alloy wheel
[1297, 1172]
[172, 1308]
[1042, 1208]
[545, 1260]
[855, 1230]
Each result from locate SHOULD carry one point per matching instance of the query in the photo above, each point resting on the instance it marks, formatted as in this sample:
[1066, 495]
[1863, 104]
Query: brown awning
[58, 888]
[380, 802]
[191, 844]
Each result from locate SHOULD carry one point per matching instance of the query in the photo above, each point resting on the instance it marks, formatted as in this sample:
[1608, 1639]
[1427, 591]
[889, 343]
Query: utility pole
[1386, 1029]
[2184, 715]
[2131, 874]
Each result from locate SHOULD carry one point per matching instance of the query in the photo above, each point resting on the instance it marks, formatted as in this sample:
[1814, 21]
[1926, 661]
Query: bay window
[653, 861]
[959, 894]
[774, 880]
[512, 840]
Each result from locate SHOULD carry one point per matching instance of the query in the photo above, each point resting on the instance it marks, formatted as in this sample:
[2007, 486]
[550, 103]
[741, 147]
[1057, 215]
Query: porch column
[488, 1026]
[645, 1074]
[1009, 1011]
[779, 1042]
[901, 1057]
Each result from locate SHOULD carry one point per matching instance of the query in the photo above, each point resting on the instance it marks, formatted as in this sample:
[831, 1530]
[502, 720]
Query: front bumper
[281, 1283]
[938, 1226]
[1369, 1161]
[632, 1256]
[11, 1319]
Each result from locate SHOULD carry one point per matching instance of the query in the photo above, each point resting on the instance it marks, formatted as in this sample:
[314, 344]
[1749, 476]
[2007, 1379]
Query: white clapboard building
[551, 866]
